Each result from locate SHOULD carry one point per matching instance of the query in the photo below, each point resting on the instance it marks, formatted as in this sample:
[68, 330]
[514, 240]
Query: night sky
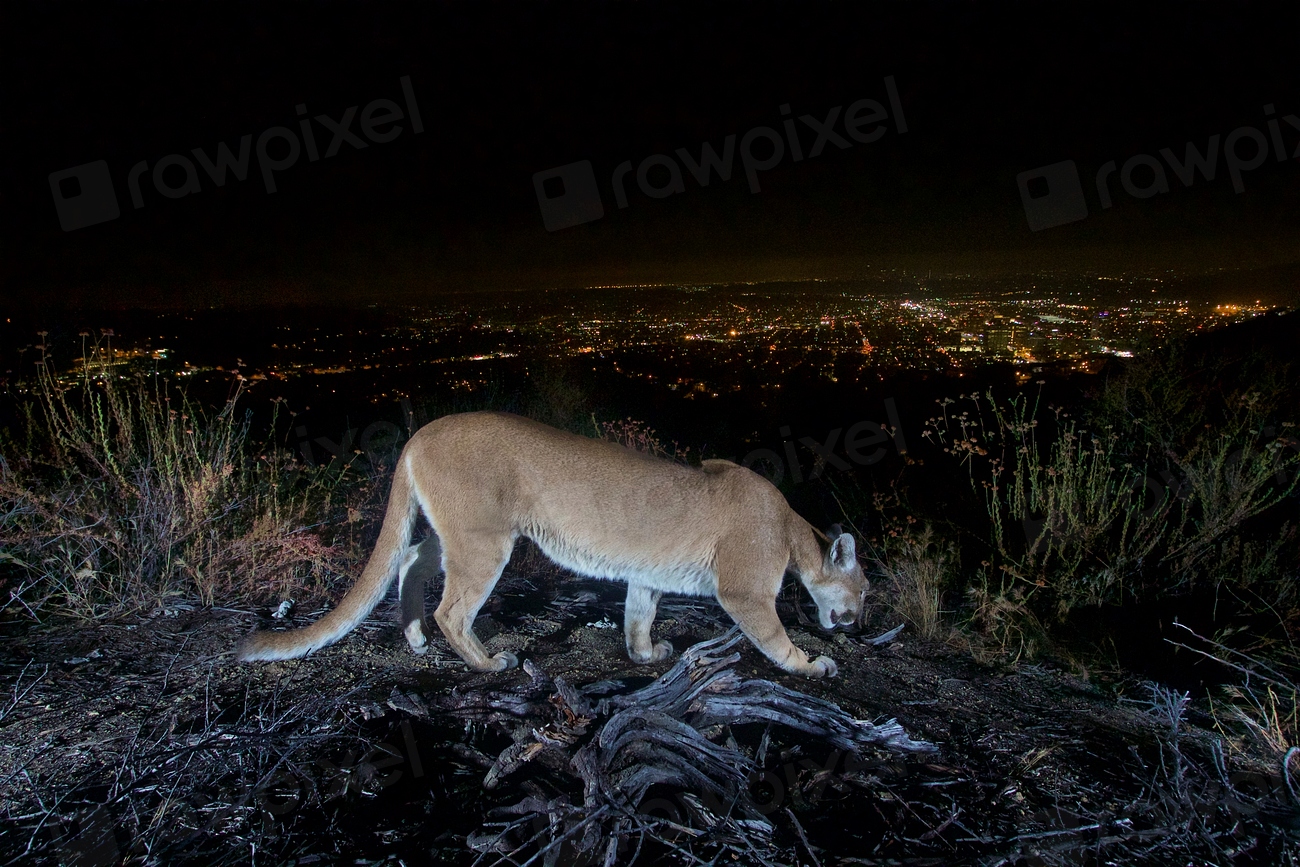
[507, 91]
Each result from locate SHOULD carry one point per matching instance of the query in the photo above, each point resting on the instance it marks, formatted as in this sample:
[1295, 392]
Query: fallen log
[619, 746]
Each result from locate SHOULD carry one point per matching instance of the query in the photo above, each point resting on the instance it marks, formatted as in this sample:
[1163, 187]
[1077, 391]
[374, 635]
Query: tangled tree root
[620, 746]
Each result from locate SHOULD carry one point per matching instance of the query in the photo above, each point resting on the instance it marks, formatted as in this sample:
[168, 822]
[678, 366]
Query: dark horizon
[971, 101]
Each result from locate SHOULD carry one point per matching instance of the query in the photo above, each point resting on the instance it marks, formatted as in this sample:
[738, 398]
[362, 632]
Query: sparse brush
[1264, 704]
[639, 436]
[1271, 714]
[918, 568]
[131, 496]
[1076, 516]
[1169, 707]
[1004, 621]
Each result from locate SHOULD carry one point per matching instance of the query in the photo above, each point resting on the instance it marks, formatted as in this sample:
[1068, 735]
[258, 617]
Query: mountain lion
[483, 479]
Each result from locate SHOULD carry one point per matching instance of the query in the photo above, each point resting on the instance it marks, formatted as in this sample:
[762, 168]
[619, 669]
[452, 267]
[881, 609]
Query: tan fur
[484, 479]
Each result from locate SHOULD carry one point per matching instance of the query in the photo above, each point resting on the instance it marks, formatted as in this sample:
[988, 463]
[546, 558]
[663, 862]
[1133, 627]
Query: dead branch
[618, 747]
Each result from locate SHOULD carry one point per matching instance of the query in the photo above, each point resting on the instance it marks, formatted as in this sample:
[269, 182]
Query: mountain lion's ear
[843, 553]
[835, 531]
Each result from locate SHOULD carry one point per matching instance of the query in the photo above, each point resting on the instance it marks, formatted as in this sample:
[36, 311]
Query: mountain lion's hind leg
[473, 566]
[421, 563]
[638, 614]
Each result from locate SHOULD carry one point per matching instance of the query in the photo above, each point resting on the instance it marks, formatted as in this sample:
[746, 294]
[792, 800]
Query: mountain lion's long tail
[394, 540]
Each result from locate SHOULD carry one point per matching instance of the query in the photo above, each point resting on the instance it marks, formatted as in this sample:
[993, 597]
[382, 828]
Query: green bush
[1163, 491]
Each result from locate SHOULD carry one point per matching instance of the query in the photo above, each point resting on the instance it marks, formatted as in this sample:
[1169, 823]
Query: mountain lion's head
[838, 586]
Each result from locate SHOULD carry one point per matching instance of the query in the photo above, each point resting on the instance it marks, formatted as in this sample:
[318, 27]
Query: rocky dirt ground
[141, 741]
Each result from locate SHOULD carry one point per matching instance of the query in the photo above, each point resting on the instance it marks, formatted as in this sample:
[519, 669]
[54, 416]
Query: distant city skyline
[696, 340]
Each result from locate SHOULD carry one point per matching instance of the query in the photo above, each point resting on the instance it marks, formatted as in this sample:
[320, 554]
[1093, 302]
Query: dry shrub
[1263, 706]
[271, 559]
[1004, 624]
[1093, 517]
[918, 568]
[639, 436]
[127, 495]
[1269, 713]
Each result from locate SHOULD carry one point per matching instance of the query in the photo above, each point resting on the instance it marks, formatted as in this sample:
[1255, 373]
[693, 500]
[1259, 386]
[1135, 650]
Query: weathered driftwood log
[618, 747]
[700, 688]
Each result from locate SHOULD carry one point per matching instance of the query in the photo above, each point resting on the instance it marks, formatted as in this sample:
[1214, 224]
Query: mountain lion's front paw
[823, 666]
[505, 659]
[662, 651]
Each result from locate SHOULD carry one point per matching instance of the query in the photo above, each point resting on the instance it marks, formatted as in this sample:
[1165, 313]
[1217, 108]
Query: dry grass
[1006, 626]
[127, 496]
[1269, 714]
[917, 569]
[639, 436]
[1263, 706]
